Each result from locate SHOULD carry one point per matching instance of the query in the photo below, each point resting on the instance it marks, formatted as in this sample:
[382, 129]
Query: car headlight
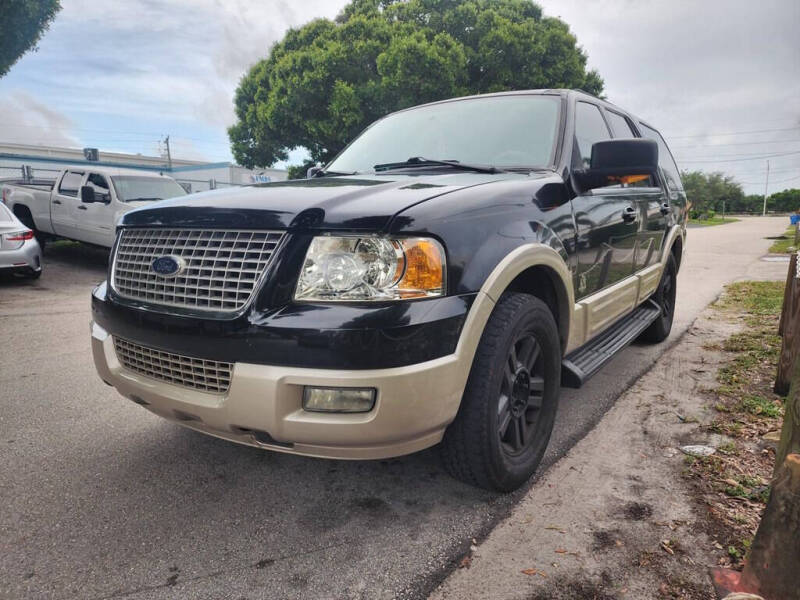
[371, 268]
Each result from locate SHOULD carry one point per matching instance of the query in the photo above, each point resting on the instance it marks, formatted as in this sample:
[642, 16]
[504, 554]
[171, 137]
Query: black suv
[438, 281]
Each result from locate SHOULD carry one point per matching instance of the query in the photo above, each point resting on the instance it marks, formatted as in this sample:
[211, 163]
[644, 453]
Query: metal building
[24, 160]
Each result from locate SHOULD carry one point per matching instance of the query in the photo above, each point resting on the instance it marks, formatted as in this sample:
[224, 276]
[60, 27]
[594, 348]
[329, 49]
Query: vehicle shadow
[212, 504]
[76, 254]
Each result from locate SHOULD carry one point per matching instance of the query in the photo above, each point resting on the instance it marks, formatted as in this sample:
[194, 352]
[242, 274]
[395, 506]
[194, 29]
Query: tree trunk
[789, 330]
[774, 561]
[790, 433]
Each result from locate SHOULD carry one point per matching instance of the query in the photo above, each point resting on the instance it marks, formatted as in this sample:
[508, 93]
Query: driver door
[94, 220]
[608, 222]
[63, 202]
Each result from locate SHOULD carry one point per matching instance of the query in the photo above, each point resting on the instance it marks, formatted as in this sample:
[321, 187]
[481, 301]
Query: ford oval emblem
[167, 266]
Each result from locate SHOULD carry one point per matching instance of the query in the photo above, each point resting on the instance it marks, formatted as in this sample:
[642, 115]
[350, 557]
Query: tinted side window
[589, 128]
[70, 183]
[99, 183]
[620, 125]
[665, 160]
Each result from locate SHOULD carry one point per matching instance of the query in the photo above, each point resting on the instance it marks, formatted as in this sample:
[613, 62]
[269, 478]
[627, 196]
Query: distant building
[195, 176]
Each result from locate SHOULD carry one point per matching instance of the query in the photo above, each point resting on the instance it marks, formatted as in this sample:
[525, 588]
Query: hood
[354, 203]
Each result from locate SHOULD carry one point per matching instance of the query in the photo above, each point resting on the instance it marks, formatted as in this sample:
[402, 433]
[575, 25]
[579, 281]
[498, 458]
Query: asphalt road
[101, 499]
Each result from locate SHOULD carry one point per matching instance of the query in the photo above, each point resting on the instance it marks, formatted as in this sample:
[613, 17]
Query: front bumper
[263, 405]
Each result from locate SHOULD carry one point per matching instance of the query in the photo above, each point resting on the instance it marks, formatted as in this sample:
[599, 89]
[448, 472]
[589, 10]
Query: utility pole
[169, 156]
[766, 186]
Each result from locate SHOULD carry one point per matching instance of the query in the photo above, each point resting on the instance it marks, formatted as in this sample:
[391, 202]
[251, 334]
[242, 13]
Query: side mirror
[312, 171]
[87, 194]
[619, 161]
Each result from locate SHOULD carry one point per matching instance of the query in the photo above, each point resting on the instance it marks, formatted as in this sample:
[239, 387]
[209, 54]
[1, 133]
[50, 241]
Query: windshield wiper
[419, 161]
[142, 199]
[325, 173]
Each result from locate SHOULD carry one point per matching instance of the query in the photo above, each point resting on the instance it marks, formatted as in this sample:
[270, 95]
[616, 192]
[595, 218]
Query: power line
[701, 135]
[771, 181]
[721, 160]
[736, 144]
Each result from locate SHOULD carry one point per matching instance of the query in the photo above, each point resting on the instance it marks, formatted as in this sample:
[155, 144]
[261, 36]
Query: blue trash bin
[794, 219]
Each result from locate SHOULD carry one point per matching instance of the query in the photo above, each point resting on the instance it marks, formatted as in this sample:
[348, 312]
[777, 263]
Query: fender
[23, 200]
[517, 261]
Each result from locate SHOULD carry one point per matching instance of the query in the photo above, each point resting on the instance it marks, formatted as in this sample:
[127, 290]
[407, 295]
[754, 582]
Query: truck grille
[197, 373]
[219, 268]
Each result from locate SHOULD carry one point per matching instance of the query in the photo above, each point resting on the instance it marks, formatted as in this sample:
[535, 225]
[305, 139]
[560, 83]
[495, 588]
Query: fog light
[345, 400]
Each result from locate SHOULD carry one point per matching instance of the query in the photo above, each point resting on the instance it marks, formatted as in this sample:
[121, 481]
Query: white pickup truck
[84, 204]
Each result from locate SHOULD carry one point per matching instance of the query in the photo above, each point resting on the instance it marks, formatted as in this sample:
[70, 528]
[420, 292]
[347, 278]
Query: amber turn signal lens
[424, 274]
[629, 178]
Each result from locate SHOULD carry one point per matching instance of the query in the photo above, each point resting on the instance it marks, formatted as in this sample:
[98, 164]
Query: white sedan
[19, 251]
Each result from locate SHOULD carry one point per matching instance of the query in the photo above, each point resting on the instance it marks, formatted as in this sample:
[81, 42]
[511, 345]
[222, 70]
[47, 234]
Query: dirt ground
[618, 517]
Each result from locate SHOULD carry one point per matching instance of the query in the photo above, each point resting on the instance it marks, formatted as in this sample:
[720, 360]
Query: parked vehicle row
[85, 204]
[437, 282]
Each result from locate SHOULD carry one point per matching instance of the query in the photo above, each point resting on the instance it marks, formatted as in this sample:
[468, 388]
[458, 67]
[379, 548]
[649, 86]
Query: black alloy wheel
[503, 426]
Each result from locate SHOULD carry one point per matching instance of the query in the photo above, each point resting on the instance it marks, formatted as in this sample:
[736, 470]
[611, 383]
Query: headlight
[371, 268]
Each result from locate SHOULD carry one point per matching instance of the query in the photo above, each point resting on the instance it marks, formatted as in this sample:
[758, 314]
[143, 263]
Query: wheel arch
[544, 283]
[677, 250]
[535, 269]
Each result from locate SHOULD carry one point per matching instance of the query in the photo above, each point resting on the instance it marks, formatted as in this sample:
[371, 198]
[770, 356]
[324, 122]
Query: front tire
[500, 434]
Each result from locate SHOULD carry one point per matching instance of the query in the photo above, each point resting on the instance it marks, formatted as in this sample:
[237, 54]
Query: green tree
[708, 191]
[785, 201]
[324, 82]
[299, 171]
[22, 23]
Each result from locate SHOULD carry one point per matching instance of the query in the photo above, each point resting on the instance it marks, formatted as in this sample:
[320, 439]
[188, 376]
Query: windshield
[501, 131]
[133, 187]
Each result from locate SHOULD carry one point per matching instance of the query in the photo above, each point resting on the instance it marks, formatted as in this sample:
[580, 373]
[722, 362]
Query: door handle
[56, 201]
[81, 207]
[665, 209]
[629, 214]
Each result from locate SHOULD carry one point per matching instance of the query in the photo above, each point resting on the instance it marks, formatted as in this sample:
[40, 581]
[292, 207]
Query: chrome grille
[220, 267]
[197, 373]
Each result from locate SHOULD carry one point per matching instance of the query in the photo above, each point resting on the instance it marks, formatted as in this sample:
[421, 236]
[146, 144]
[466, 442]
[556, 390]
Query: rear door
[64, 203]
[674, 199]
[95, 220]
[607, 219]
[650, 197]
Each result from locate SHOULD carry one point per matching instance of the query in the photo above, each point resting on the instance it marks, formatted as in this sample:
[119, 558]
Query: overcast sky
[120, 75]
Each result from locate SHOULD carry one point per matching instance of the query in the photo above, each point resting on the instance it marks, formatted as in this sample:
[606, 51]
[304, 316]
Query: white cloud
[695, 68]
[127, 70]
[25, 120]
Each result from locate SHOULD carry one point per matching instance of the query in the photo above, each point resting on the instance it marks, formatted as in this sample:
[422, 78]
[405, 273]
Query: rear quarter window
[620, 125]
[665, 160]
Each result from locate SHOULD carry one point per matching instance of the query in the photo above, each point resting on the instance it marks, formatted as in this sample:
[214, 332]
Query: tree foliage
[299, 171]
[324, 82]
[22, 24]
[785, 201]
[708, 191]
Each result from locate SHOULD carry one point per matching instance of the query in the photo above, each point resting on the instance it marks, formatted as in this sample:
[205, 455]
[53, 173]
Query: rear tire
[500, 434]
[665, 298]
[25, 216]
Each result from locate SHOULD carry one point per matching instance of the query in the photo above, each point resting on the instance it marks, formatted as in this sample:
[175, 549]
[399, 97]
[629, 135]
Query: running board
[584, 362]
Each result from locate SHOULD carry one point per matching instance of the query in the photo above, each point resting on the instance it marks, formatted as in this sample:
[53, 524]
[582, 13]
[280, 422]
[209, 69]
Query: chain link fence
[38, 175]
